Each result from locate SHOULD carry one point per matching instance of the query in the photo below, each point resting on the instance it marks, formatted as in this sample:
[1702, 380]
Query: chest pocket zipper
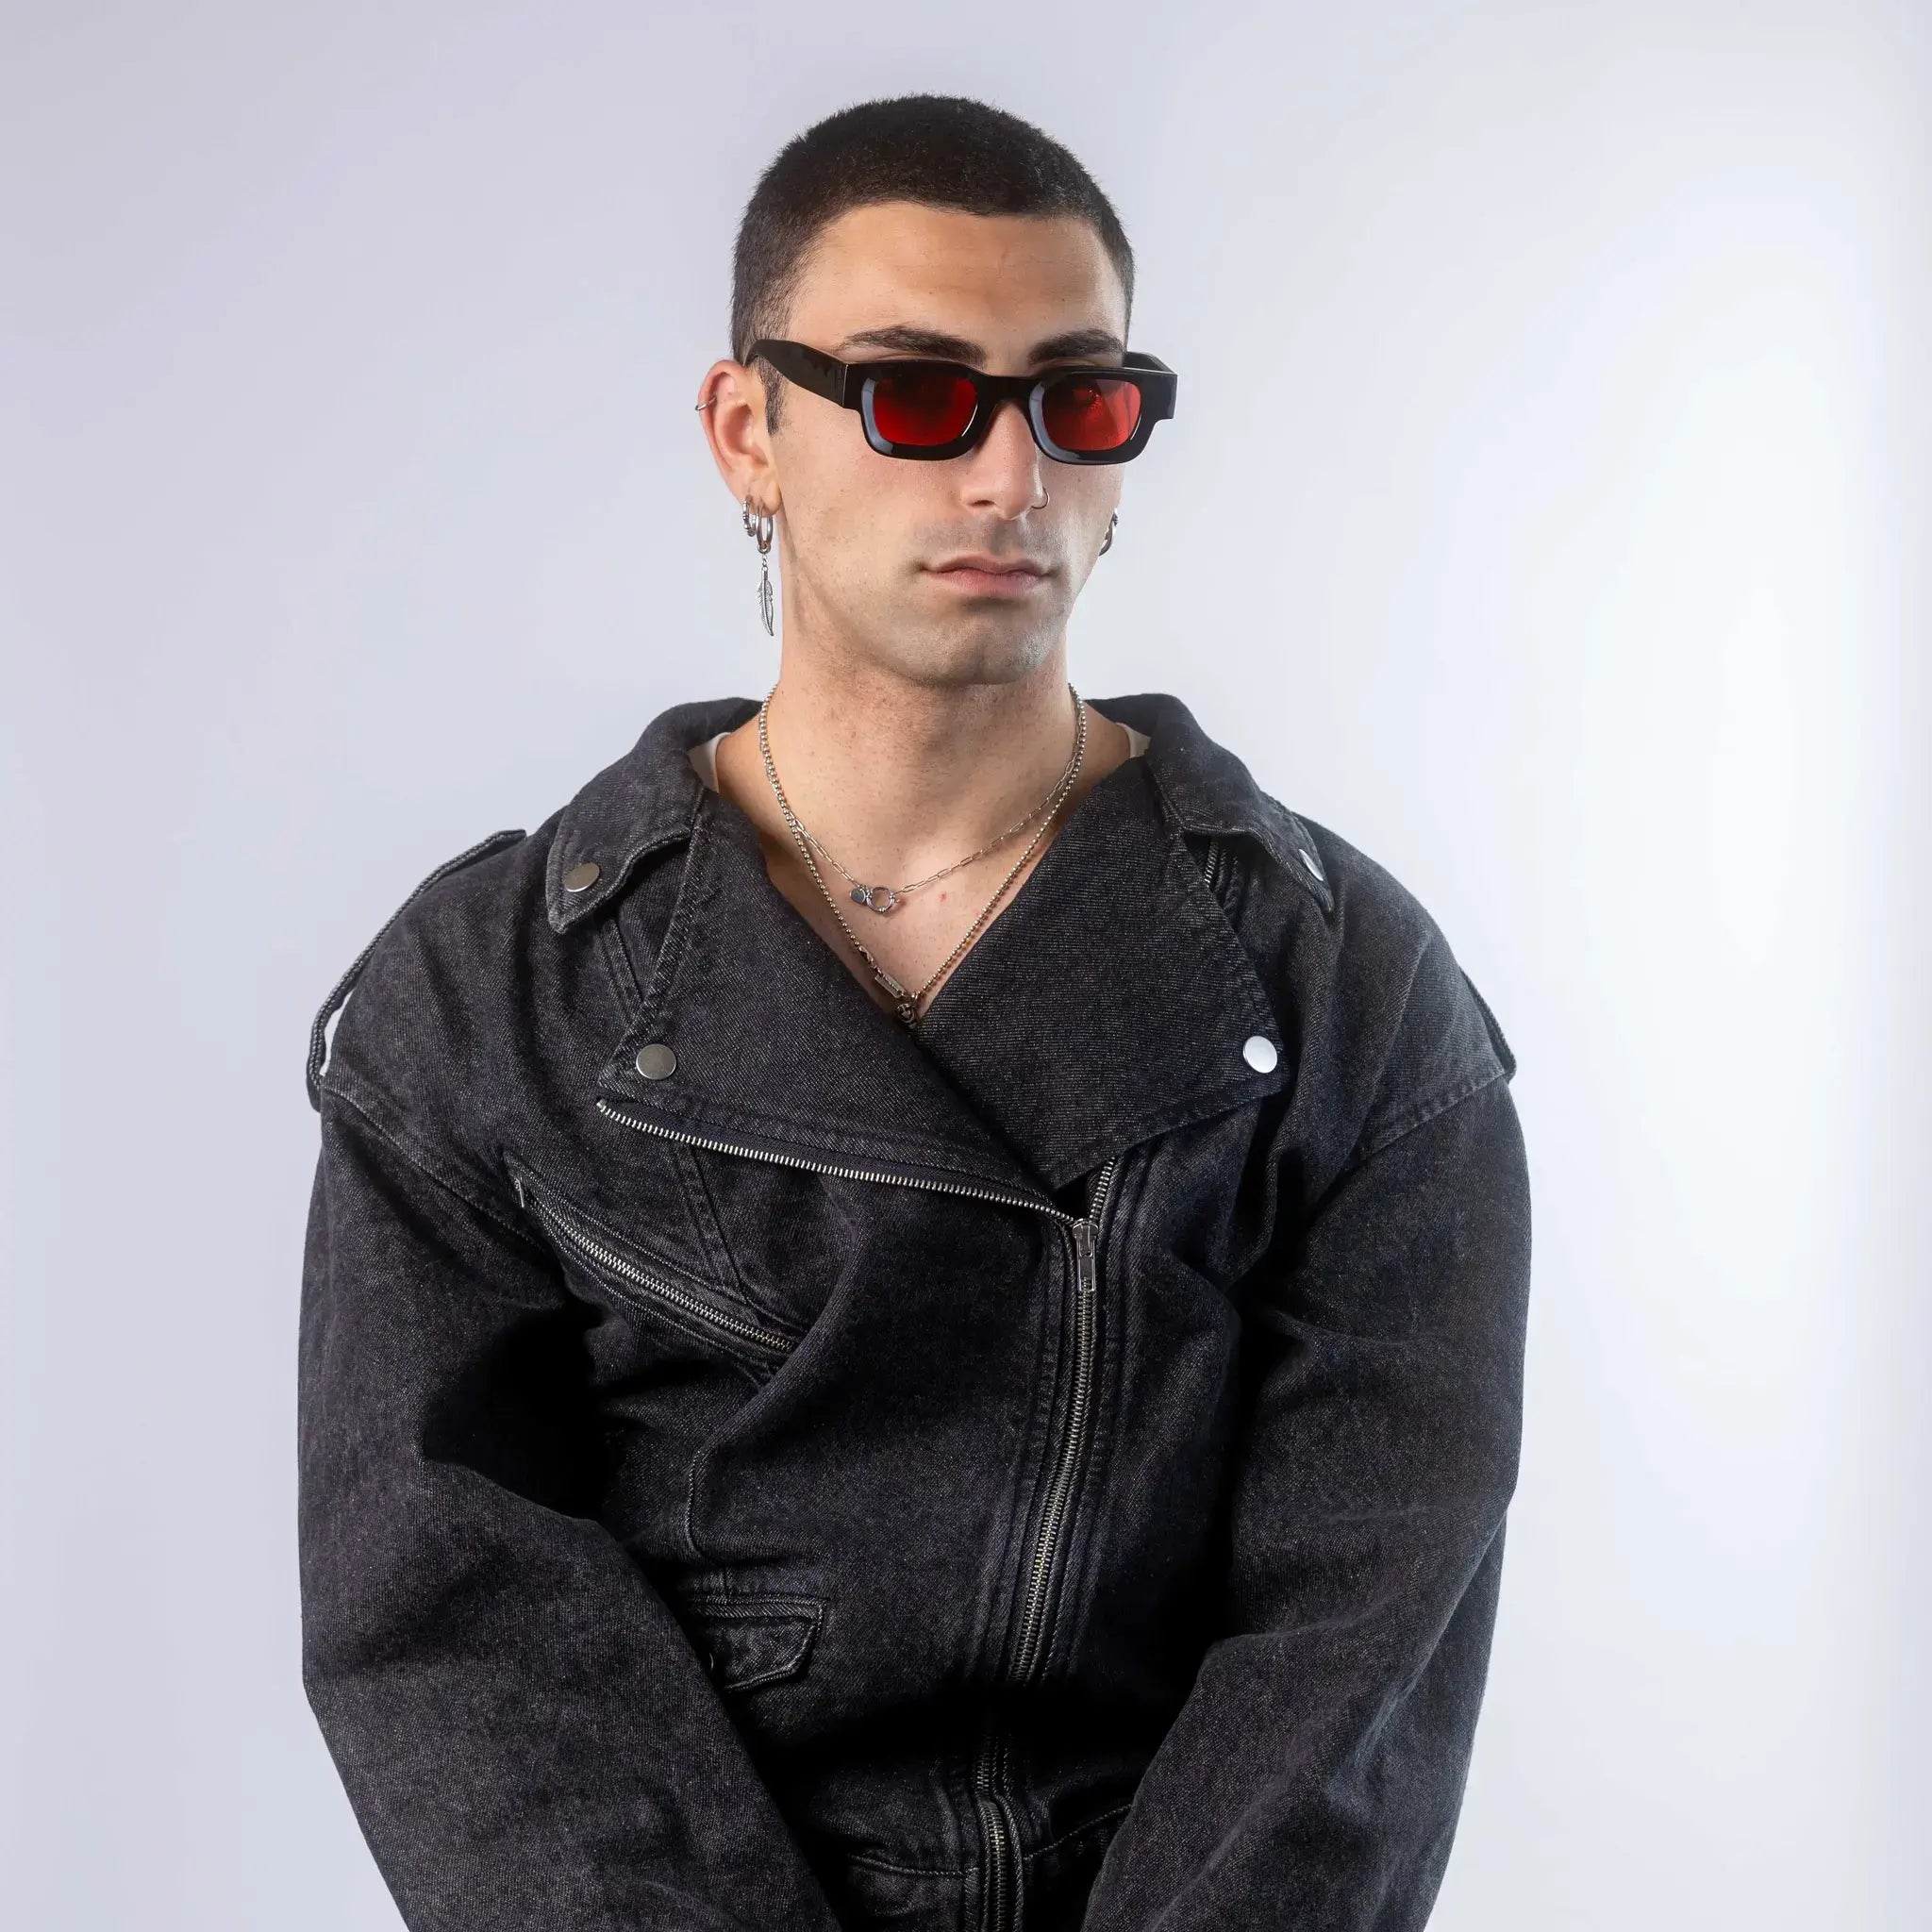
[638, 1284]
[1219, 866]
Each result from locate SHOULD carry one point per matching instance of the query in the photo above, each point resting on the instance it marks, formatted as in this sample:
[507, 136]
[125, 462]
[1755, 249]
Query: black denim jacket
[764, 1470]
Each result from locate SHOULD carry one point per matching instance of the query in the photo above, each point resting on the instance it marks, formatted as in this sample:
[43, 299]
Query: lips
[994, 581]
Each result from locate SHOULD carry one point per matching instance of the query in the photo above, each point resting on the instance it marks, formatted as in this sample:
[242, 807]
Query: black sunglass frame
[850, 385]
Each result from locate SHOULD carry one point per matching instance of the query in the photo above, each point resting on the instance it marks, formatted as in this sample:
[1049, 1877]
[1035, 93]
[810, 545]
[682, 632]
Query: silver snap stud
[1308, 859]
[656, 1061]
[1258, 1051]
[581, 875]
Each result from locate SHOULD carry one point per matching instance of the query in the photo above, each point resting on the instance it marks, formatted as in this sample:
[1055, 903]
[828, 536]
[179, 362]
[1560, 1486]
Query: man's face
[865, 533]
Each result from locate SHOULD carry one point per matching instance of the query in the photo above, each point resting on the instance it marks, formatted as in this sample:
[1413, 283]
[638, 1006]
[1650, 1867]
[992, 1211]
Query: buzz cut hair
[943, 151]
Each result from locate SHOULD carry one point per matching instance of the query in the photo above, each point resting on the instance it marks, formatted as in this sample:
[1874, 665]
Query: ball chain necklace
[883, 898]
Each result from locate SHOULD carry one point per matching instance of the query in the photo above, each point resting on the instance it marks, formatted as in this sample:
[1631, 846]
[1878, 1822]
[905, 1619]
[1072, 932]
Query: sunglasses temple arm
[810, 369]
[830, 377]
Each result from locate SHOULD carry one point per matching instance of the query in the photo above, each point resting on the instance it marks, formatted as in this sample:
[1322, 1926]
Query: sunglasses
[928, 409]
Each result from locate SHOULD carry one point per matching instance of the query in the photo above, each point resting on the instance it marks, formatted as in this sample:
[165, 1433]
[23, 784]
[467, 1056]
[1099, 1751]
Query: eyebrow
[933, 342]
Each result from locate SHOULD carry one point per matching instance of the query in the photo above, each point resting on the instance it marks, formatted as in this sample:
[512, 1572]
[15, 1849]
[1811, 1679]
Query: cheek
[860, 526]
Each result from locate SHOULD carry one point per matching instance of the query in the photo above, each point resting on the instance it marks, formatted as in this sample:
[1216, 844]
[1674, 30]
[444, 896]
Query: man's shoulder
[463, 950]
[434, 963]
[1346, 948]
[1388, 1009]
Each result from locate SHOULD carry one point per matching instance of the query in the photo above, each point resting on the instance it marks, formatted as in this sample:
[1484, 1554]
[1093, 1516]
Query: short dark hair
[941, 150]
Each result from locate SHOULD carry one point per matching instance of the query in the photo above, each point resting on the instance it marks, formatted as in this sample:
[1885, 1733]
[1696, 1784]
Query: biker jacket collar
[1110, 1000]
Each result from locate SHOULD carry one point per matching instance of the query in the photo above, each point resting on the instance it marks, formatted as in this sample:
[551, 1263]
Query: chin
[990, 653]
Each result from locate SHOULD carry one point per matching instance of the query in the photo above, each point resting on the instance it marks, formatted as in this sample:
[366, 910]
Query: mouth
[987, 579]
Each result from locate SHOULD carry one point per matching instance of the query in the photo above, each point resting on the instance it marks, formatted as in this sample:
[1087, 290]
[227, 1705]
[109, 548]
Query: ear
[731, 405]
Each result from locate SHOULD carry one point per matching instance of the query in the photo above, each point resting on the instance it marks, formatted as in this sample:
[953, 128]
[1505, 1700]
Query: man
[914, 1307]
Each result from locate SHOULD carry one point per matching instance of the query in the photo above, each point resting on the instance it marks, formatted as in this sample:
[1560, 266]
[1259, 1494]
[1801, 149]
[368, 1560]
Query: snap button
[657, 1060]
[1309, 860]
[1258, 1051]
[585, 873]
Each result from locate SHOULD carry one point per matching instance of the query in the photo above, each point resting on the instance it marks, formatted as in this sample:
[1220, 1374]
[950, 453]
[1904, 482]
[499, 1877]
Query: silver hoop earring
[760, 532]
[1111, 522]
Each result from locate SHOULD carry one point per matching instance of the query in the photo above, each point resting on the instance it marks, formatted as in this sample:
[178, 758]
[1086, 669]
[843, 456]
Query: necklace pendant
[875, 898]
[905, 1004]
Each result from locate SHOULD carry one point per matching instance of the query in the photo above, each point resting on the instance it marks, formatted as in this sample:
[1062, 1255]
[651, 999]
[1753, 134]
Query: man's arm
[526, 1734]
[1313, 1779]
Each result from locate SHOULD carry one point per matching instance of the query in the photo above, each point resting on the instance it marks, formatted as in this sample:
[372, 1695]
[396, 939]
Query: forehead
[998, 279]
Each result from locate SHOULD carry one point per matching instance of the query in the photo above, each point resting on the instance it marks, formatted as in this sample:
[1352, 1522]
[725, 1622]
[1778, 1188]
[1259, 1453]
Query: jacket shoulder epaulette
[1496, 1039]
[318, 1032]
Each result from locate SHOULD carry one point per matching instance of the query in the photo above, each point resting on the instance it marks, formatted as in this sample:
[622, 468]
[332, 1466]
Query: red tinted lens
[1091, 412]
[922, 406]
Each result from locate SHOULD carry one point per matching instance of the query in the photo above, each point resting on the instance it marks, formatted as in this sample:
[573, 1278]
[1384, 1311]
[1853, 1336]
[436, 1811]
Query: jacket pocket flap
[752, 1638]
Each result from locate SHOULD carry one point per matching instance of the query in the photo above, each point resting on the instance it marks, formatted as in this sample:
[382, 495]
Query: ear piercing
[760, 530]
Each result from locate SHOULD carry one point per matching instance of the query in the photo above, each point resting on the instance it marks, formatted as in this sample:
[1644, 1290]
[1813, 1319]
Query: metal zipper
[1212, 867]
[1002, 1835]
[1002, 1839]
[1002, 1853]
[1086, 1298]
[587, 1243]
[846, 1174]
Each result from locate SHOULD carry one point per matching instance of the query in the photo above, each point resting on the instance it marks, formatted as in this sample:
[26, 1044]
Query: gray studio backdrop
[354, 507]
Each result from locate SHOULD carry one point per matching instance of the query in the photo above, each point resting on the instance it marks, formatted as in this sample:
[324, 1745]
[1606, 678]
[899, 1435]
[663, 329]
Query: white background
[1551, 434]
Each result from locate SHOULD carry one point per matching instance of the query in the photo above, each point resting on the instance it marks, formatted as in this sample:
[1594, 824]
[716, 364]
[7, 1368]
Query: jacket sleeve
[524, 1733]
[1313, 1779]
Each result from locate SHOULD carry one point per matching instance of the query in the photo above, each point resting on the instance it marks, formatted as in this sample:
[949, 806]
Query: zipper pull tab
[1083, 1248]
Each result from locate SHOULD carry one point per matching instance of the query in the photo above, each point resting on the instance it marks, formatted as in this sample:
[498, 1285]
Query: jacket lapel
[1108, 999]
[778, 1047]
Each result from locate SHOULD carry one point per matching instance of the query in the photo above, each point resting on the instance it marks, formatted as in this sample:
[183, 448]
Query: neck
[898, 777]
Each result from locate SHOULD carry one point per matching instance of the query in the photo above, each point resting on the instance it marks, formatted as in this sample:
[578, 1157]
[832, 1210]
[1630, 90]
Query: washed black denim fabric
[1049, 1472]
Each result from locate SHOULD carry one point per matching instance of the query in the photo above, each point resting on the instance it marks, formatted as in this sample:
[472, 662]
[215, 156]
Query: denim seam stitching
[1424, 1112]
[624, 979]
[1093, 1823]
[1203, 1105]
[1214, 930]
[338, 1085]
[1374, 1125]
[710, 1227]
[670, 949]
[698, 1550]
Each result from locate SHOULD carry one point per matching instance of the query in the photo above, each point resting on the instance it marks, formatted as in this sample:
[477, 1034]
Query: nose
[1003, 472]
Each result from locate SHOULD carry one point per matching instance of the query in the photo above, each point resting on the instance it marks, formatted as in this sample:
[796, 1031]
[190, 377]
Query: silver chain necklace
[882, 899]
[905, 1004]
